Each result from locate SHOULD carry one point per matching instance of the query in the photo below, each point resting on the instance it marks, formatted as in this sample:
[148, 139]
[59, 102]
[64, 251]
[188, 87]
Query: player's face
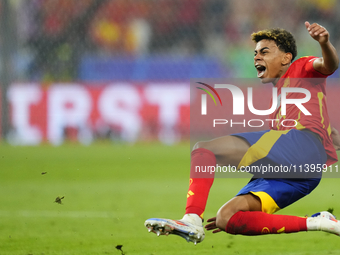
[268, 61]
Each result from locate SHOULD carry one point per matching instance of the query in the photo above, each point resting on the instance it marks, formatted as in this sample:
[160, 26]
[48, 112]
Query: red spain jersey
[301, 74]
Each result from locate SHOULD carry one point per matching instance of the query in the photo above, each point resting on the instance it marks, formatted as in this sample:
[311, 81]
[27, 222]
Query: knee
[227, 149]
[200, 144]
[214, 147]
[223, 217]
[220, 150]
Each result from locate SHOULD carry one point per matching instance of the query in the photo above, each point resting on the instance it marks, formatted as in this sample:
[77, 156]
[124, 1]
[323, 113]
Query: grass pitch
[89, 200]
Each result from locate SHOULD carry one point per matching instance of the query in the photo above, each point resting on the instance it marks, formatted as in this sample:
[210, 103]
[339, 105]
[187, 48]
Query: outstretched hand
[317, 32]
[212, 225]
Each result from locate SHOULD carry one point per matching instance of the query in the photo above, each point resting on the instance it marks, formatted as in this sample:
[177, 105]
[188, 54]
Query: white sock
[193, 219]
[313, 223]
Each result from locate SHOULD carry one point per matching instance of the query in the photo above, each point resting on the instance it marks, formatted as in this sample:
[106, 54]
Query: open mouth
[260, 70]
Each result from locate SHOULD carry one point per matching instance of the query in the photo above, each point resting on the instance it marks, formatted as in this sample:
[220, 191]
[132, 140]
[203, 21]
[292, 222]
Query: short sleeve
[309, 68]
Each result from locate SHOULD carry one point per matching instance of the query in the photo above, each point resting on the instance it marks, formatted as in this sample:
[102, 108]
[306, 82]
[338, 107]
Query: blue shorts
[289, 148]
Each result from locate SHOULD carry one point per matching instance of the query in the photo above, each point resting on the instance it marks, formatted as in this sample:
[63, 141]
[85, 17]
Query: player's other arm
[329, 61]
[335, 138]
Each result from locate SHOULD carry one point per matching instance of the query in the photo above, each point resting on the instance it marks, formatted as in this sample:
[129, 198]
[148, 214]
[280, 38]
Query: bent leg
[223, 151]
[240, 216]
[250, 212]
[227, 149]
[246, 202]
[243, 215]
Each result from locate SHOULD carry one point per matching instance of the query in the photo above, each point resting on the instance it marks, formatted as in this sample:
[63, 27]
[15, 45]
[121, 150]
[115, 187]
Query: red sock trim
[201, 160]
[259, 223]
[200, 182]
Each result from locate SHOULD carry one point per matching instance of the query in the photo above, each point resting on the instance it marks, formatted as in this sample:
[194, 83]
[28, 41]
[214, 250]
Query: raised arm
[329, 61]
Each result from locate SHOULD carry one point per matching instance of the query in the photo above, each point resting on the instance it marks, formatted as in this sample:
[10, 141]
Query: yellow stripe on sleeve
[320, 96]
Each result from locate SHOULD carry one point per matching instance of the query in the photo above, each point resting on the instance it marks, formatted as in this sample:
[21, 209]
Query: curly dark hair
[284, 40]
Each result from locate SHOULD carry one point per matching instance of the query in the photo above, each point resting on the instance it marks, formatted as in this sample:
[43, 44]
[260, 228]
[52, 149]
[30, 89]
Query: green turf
[110, 190]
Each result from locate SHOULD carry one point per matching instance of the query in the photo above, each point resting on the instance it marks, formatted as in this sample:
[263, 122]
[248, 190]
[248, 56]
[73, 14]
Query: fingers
[216, 231]
[315, 29]
[310, 27]
[318, 31]
[211, 219]
[210, 226]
